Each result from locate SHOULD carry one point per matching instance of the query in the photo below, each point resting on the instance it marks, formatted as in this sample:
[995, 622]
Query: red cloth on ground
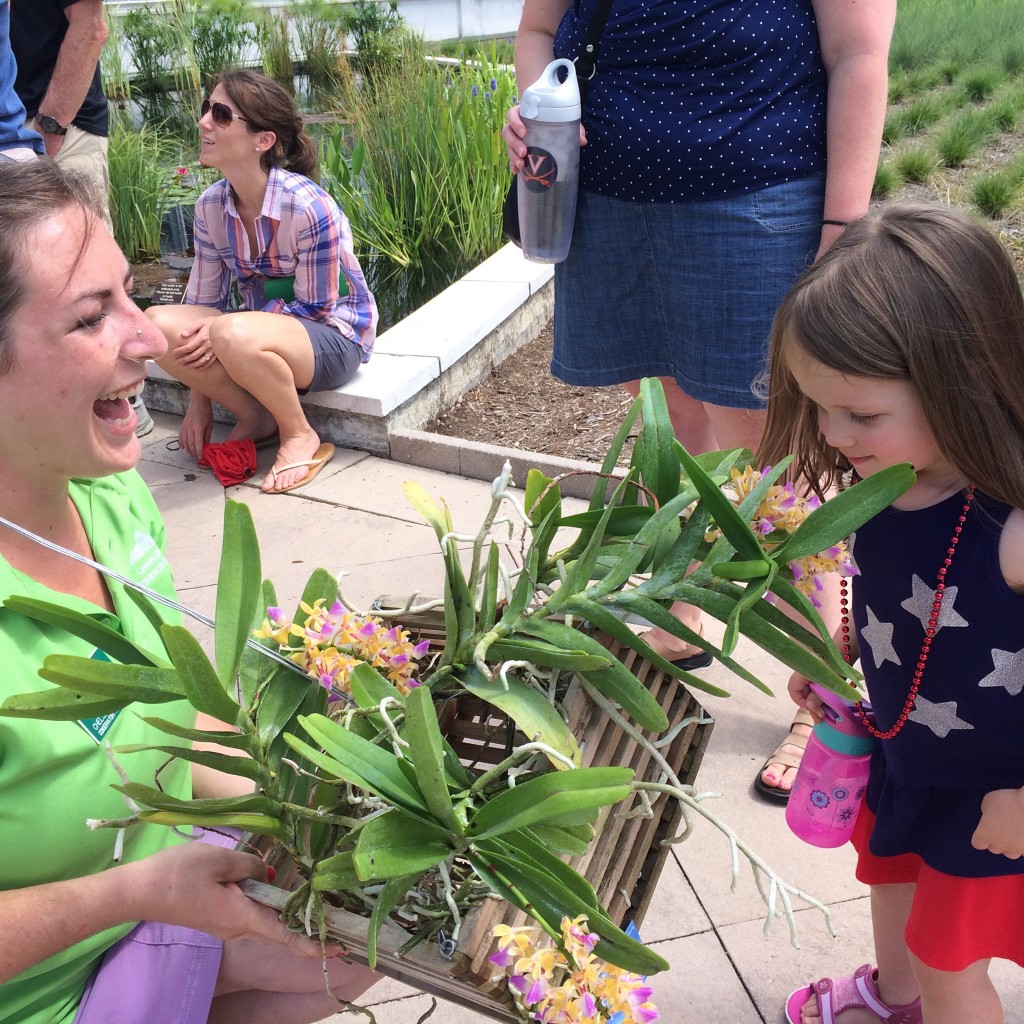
[953, 922]
[232, 462]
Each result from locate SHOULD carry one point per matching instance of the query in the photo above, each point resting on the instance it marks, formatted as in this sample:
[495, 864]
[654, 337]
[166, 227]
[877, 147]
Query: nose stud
[139, 331]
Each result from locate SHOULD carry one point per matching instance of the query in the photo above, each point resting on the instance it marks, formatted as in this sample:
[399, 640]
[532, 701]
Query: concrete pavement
[354, 519]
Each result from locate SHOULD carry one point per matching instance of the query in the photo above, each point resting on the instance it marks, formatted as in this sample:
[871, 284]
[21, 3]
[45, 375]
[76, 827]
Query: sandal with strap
[857, 989]
[785, 757]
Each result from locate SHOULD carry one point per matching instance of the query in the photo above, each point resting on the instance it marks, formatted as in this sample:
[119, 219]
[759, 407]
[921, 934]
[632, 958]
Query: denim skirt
[681, 290]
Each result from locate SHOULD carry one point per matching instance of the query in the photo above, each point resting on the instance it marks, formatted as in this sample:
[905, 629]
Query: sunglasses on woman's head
[222, 113]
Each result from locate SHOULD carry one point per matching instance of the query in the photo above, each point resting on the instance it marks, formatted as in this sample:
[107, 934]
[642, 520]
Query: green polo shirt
[55, 775]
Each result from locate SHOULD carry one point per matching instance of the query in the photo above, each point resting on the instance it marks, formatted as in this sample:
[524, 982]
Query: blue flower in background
[476, 91]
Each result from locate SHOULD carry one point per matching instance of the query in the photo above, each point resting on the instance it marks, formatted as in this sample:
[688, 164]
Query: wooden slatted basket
[623, 863]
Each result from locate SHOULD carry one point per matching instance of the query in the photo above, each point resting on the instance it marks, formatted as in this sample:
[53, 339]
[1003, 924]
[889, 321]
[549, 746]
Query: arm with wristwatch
[76, 64]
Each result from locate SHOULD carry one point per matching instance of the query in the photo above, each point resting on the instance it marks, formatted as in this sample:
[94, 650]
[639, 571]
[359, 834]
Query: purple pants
[157, 973]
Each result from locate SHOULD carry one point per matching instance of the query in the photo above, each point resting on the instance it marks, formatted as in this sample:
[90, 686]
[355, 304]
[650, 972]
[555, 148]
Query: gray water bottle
[549, 180]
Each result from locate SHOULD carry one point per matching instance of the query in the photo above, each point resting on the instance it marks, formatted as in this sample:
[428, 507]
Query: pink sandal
[857, 989]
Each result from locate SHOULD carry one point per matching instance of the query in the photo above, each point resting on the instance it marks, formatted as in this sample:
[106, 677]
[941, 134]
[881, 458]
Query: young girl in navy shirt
[905, 343]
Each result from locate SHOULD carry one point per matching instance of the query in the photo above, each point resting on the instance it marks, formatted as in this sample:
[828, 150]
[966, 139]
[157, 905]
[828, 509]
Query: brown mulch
[523, 406]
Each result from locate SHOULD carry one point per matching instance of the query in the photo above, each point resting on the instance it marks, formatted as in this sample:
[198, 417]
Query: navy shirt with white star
[965, 735]
[700, 100]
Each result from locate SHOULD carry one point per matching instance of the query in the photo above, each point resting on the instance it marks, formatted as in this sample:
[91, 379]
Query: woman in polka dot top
[725, 144]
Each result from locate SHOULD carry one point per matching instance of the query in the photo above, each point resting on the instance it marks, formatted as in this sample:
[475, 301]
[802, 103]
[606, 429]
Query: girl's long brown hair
[912, 293]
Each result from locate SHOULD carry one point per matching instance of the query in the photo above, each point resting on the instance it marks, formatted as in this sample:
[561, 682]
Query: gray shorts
[336, 358]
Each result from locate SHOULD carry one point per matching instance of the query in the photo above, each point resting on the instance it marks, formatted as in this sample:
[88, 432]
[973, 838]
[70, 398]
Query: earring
[139, 331]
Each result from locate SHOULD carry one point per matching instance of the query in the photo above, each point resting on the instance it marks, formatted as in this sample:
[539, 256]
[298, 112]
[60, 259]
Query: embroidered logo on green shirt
[99, 726]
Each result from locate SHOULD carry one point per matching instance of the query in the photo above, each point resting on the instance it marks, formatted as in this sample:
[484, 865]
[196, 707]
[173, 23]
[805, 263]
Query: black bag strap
[586, 62]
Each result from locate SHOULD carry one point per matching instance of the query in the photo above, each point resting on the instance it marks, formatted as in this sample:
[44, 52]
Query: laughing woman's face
[79, 346]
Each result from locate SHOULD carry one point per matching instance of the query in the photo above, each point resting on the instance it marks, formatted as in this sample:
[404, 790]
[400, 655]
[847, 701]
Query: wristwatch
[50, 125]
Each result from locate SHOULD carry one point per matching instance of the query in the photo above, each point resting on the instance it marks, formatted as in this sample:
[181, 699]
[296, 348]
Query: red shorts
[953, 921]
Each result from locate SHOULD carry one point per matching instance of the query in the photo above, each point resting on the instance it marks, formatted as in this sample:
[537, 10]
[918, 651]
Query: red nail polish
[271, 873]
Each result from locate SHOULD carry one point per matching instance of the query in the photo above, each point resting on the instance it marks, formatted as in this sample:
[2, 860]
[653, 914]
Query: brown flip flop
[323, 455]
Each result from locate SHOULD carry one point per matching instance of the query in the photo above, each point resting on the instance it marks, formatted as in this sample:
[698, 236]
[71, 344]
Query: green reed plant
[223, 35]
[151, 43]
[425, 180]
[376, 28]
[273, 31]
[887, 180]
[980, 83]
[916, 164]
[994, 194]
[141, 166]
[322, 34]
[116, 81]
[963, 137]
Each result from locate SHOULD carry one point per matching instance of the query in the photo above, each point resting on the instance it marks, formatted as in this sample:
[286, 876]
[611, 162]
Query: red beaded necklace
[929, 633]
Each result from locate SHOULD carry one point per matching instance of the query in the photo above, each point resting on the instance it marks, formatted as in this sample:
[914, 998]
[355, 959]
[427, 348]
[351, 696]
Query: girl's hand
[1001, 829]
[801, 693]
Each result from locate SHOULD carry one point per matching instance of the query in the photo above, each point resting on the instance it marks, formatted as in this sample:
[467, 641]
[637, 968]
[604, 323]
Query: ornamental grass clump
[338, 714]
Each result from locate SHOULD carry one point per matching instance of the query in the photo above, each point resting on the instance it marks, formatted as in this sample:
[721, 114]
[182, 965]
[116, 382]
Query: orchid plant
[337, 711]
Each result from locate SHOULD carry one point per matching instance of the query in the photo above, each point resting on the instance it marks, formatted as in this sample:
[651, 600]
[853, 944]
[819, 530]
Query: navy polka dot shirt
[700, 99]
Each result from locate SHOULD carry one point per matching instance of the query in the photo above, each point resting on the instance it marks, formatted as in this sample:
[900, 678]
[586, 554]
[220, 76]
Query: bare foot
[257, 427]
[779, 774]
[670, 647]
[810, 1014]
[293, 449]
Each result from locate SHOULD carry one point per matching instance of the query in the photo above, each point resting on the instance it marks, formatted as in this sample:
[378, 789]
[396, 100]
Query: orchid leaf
[652, 455]
[608, 622]
[389, 897]
[238, 590]
[336, 874]
[253, 803]
[844, 512]
[489, 597]
[358, 761]
[616, 682]
[426, 749]
[224, 738]
[536, 652]
[736, 529]
[526, 845]
[624, 521]
[199, 682]
[246, 767]
[125, 683]
[369, 687]
[538, 799]
[429, 509]
[563, 839]
[531, 711]
[394, 844]
[609, 465]
[60, 704]
[255, 669]
[545, 896]
[116, 646]
[262, 824]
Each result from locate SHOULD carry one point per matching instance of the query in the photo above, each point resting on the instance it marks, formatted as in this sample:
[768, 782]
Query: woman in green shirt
[73, 351]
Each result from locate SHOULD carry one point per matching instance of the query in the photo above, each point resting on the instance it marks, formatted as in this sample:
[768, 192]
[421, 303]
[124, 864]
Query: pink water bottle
[832, 777]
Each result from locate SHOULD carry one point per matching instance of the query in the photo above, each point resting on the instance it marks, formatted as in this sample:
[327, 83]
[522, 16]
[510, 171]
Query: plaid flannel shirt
[300, 232]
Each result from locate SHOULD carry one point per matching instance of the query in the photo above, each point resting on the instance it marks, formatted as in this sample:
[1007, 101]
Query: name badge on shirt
[99, 726]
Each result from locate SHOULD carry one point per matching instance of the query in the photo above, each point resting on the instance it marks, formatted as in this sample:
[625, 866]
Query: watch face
[50, 125]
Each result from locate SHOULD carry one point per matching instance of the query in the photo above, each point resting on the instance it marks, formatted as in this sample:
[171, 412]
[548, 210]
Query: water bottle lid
[551, 99]
[853, 744]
